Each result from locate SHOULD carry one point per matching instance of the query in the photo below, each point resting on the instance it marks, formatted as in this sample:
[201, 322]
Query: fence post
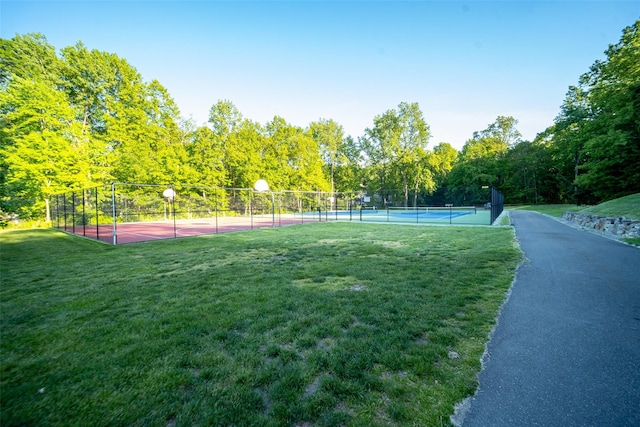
[113, 211]
[73, 212]
[84, 214]
[64, 210]
[97, 216]
[58, 210]
[173, 206]
[326, 212]
[273, 210]
[216, 201]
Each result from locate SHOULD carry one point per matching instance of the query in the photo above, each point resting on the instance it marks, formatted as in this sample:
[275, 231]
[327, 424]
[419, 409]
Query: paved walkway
[566, 350]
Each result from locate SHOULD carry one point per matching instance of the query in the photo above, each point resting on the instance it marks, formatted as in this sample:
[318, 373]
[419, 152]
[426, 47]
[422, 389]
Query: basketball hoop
[261, 186]
[169, 193]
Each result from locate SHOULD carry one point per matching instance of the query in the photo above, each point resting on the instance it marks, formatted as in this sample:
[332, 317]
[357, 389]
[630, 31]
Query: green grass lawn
[628, 207]
[308, 325]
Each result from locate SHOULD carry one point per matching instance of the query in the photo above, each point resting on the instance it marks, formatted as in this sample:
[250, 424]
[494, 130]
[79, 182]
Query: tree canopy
[79, 118]
[591, 153]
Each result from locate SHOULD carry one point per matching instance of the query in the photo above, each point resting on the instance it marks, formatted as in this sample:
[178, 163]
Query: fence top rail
[141, 185]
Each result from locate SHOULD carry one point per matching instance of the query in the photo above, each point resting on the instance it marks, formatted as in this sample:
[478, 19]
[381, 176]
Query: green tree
[133, 125]
[481, 162]
[28, 57]
[568, 136]
[163, 122]
[292, 159]
[612, 149]
[222, 155]
[329, 136]
[348, 173]
[395, 150]
[594, 141]
[205, 158]
[138, 135]
[28, 64]
[247, 156]
[42, 147]
[529, 174]
[442, 161]
[225, 119]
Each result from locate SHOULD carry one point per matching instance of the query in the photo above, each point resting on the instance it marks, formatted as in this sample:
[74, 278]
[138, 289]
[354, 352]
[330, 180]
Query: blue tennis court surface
[461, 215]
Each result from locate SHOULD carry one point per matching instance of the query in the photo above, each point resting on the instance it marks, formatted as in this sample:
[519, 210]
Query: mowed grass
[628, 207]
[308, 325]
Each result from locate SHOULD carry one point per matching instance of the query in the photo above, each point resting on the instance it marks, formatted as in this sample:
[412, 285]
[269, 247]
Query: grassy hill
[628, 206]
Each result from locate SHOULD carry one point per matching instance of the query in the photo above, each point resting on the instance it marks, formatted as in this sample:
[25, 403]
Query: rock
[621, 227]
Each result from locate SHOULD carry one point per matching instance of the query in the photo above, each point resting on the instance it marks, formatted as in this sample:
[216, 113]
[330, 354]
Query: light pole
[262, 186]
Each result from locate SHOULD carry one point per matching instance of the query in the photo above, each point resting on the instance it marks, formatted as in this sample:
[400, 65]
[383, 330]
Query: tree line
[81, 118]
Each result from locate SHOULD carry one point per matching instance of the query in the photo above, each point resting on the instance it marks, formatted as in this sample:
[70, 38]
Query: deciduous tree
[395, 149]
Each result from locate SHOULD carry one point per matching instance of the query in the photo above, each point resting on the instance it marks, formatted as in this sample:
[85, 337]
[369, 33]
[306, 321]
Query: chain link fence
[122, 213]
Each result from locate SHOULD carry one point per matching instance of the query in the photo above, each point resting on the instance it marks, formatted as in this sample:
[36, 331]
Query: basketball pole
[262, 186]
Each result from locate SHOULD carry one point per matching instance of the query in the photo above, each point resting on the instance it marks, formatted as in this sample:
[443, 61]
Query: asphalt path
[566, 349]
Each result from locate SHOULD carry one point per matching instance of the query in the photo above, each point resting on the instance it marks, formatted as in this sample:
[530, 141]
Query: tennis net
[439, 210]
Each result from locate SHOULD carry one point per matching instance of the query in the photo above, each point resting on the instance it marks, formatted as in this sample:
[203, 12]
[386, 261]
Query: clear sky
[464, 62]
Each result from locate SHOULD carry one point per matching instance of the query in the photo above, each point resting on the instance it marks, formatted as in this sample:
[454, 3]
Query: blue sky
[465, 62]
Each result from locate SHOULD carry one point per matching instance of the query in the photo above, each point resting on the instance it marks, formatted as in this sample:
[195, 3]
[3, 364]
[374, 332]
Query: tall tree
[395, 148]
[28, 56]
[595, 138]
[349, 170]
[292, 159]
[329, 136]
[612, 149]
[246, 155]
[224, 118]
[528, 171]
[28, 65]
[569, 135]
[163, 122]
[442, 161]
[205, 158]
[221, 149]
[481, 161]
[42, 147]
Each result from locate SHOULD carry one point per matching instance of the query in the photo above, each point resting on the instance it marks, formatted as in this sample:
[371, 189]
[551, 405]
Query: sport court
[129, 213]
